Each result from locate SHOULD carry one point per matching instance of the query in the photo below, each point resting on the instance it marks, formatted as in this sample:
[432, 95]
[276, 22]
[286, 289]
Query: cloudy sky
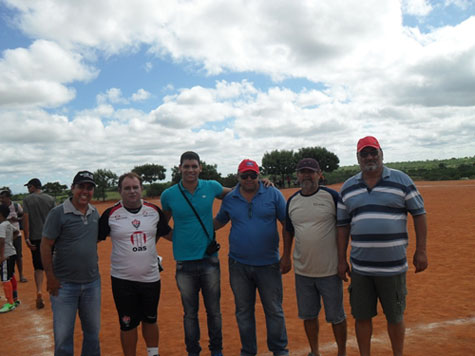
[87, 84]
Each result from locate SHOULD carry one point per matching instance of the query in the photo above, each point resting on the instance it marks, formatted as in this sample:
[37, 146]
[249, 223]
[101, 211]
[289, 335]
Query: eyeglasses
[244, 176]
[364, 154]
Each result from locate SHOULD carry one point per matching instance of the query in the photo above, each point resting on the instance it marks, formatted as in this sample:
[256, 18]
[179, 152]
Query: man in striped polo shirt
[373, 209]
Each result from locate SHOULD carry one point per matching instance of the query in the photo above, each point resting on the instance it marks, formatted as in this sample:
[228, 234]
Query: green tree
[150, 172]
[328, 161]
[54, 188]
[105, 180]
[279, 164]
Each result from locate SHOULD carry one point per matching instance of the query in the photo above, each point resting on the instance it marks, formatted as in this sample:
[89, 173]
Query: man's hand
[343, 270]
[285, 264]
[420, 261]
[30, 245]
[52, 285]
[267, 182]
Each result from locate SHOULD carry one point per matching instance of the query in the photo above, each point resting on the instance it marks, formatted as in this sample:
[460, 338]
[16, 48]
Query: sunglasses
[364, 154]
[244, 176]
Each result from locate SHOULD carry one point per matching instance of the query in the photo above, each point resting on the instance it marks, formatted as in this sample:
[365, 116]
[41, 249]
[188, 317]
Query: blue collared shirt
[254, 238]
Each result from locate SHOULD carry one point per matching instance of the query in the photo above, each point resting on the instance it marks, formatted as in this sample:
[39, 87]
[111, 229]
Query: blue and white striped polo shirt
[378, 219]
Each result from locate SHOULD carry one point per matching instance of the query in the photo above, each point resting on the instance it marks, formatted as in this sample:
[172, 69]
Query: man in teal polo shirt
[195, 269]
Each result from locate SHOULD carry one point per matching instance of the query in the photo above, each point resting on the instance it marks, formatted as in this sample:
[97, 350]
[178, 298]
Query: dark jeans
[191, 277]
[245, 279]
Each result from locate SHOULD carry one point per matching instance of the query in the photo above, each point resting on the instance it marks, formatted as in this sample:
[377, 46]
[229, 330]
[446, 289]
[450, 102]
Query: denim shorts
[366, 290]
[310, 290]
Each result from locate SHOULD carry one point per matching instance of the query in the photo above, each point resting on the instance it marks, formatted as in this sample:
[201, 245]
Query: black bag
[213, 246]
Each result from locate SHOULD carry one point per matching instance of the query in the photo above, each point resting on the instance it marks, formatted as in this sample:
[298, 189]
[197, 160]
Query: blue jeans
[72, 298]
[245, 279]
[191, 277]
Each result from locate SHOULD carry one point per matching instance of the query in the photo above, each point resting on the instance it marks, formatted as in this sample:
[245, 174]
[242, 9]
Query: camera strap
[193, 208]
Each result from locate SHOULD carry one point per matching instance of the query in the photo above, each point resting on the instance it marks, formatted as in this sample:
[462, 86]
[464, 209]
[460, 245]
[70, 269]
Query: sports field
[440, 316]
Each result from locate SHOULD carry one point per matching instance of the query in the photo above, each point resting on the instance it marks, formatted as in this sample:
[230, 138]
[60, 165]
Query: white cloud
[140, 95]
[37, 75]
[417, 7]
[410, 89]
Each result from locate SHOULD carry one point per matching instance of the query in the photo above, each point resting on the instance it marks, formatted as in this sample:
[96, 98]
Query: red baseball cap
[368, 141]
[248, 165]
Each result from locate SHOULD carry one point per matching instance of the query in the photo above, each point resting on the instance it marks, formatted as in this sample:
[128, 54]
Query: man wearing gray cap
[311, 218]
[72, 275]
[36, 207]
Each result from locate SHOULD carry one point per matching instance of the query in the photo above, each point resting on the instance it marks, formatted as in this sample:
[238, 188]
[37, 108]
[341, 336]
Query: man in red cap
[373, 209]
[254, 256]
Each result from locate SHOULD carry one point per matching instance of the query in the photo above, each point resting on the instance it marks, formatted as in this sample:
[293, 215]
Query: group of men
[372, 207]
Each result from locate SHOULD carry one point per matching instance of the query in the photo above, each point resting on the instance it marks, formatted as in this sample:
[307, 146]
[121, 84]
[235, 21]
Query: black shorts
[36, 254]
[135, 302]
[7, 268]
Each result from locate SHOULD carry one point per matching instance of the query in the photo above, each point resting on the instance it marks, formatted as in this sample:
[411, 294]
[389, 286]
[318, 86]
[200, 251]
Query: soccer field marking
[382, 338]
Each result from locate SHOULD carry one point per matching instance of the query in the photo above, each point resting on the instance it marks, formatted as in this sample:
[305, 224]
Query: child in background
[8, 233]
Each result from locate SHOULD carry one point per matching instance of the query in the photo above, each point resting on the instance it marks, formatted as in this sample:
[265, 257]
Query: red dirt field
[440, 315]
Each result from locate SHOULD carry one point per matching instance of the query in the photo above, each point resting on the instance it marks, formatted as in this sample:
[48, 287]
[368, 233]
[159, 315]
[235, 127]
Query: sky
[113, 84]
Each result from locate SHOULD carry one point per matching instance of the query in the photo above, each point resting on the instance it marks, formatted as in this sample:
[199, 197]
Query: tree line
[278, 165]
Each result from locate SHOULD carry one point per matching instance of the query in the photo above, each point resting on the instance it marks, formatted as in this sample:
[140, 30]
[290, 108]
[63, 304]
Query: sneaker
[7, 308]
[17, 303]
[39, 302]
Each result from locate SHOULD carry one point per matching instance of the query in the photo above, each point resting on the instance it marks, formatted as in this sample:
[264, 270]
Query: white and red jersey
[134, 235]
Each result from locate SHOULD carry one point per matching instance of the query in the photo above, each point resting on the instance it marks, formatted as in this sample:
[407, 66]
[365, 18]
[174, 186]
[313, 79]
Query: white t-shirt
[133, 235]
[6, 232]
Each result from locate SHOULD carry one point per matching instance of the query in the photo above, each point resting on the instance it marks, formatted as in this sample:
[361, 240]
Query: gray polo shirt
[75, 249]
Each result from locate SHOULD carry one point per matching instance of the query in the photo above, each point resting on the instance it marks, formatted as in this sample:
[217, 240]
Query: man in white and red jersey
[134, 226]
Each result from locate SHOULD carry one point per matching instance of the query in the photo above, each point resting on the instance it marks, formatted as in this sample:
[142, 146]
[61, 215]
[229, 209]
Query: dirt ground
[440, 315]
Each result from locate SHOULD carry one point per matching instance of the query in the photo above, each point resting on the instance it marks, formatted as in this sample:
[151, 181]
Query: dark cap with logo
[84, 177]
[35, 182]
[308, 163]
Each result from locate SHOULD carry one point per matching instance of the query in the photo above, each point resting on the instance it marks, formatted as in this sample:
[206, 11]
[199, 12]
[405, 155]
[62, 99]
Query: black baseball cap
[84, 177]
[35, 182]
[308, 163]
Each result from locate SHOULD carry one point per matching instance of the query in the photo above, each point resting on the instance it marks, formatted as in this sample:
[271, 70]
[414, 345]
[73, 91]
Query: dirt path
[440, 315]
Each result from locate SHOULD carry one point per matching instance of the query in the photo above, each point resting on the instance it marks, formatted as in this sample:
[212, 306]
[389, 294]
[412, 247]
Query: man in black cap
[72, 274]
[36, 207]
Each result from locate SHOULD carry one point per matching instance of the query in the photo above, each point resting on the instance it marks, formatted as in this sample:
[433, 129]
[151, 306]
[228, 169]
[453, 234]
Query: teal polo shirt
[189, 239]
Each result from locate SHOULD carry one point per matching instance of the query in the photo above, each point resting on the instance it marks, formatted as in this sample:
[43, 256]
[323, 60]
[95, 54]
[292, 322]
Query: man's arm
[286, 260]
[168, 214]
[343, 236]
[420, 255]
[225, 191]
[52, 283]
[218, 224]
[26, 232]
[2, 249]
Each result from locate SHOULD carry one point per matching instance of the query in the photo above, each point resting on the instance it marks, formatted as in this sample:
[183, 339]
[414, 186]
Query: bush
[156, 189]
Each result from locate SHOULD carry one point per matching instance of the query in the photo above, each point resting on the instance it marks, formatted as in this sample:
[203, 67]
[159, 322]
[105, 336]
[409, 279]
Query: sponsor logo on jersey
[139, 241]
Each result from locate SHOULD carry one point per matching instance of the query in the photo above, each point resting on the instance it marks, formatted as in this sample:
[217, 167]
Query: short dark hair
[189, 155]
[6, 193]
[129, 175]
[4, 210]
